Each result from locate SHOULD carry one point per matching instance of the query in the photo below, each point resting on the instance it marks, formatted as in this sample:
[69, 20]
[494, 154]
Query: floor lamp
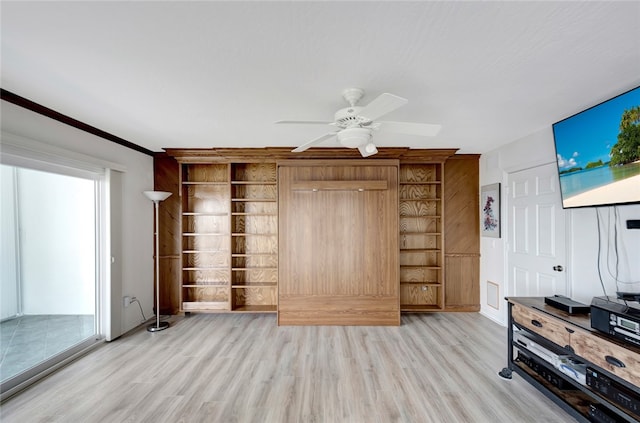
[156, 197]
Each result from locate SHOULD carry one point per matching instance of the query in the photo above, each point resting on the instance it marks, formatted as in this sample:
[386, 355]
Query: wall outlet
[126, 300]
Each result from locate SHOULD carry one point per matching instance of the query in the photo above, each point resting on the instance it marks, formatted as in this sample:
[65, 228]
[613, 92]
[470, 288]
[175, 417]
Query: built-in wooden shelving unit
[421, 244]
[254, 237]
[205, 237]
[224, 234]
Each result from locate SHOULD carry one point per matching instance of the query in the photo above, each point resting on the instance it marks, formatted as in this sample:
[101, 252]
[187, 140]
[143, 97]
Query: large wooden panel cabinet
[338, 242]
[222, 232]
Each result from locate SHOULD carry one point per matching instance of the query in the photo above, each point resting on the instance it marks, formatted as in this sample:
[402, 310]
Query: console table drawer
[542, 324]
[614, 358]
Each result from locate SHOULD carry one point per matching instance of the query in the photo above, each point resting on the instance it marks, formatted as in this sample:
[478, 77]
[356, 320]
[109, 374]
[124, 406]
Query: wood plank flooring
[244, 368]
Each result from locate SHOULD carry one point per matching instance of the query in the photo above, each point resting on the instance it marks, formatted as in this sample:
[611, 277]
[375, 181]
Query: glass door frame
[101, 177]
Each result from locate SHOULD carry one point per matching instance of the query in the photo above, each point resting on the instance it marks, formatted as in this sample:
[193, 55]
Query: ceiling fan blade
[383, 104]
[365, 153]
[410, 128]
[314, 142]
[303, 122]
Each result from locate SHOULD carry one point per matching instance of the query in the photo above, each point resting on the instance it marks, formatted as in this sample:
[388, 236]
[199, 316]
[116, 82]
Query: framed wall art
[490, 213]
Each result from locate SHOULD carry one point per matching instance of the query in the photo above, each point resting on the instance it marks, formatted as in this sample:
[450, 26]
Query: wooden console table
[570, 335]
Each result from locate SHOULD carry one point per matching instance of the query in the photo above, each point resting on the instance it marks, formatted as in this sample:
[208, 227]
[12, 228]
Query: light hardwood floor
[244, 368]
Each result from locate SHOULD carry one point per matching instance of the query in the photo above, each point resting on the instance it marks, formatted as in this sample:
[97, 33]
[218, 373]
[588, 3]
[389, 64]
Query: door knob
[558, 268]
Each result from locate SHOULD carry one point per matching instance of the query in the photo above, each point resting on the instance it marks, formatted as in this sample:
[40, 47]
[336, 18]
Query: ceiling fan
[355, 124]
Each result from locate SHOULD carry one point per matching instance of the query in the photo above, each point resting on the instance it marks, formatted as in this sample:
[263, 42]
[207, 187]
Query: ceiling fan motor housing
[349, 117]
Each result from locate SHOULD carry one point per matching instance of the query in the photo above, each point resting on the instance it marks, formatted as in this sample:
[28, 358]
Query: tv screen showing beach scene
[598, 153]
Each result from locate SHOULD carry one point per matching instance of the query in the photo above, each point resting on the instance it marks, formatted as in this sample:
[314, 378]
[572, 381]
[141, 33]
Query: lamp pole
[156, 197]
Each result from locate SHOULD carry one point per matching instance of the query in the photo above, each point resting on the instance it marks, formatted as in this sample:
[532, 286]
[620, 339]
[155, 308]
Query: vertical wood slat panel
[166, 178]
[462, 233]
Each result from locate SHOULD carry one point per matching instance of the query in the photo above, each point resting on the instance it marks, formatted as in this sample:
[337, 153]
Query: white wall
[582, 232]
[8, 241]
[137, 220]
[57, 243]
[583, 223]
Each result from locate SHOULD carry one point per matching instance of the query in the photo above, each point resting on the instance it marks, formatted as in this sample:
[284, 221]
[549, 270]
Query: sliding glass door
[49, 269]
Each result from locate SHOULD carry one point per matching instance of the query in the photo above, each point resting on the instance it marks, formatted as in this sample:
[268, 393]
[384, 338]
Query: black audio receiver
[599, 414]
[613, 390]
[616, 317]
[547, 374]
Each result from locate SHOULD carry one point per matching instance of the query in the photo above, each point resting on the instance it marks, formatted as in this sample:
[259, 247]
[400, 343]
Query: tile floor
[27, 340]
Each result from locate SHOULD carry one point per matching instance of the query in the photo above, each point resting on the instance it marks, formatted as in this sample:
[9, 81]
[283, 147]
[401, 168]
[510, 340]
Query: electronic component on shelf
[555, 358]
[576, 370]
[600, 414]
[567, 304]
[613, 390]
[617, 318]
[544, 372]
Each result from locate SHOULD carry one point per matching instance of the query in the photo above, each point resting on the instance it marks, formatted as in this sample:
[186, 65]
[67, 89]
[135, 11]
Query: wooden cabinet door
[338, 243]
[462, 233]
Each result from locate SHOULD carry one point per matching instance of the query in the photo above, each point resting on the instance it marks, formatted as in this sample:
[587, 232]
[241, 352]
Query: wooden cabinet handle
[536, 323]
[614, 361]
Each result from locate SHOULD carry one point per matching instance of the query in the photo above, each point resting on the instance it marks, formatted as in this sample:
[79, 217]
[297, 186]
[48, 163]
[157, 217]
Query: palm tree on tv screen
[627, 149]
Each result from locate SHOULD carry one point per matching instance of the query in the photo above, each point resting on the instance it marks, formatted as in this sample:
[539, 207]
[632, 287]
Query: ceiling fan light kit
[354, 137]
[356, 123]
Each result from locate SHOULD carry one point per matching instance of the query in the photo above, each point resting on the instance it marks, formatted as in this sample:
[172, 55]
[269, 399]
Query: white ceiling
[218, 74]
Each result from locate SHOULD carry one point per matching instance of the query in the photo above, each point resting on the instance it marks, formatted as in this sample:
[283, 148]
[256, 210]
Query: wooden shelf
[256, 309]
[203, 251]
[252, 234]
[253, 183]
[247, 269]
[204, 234]
[205, 285]
[221, 214]
[250, 285]
[205, 305]
[429, 283]
[253, 214]
[203, 183]
[254, 255]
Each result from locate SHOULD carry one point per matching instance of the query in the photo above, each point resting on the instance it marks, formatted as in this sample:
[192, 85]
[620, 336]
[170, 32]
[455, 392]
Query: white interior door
[536, 245]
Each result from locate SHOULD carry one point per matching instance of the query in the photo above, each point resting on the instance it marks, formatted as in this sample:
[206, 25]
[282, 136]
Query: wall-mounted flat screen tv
[598, 153]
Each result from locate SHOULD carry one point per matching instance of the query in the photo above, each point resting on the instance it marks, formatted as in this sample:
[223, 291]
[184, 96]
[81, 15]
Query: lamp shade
[157, 196]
